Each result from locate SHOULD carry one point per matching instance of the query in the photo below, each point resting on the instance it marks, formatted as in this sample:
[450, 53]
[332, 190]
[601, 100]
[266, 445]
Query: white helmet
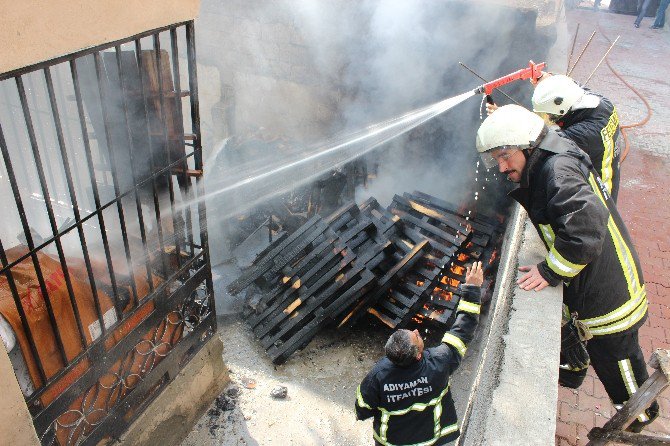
[556, 94]
[510, 126]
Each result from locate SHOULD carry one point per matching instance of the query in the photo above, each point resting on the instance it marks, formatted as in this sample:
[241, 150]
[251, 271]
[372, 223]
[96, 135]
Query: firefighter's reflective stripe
[468, 307]
[548, 235]
[561, 266]
[607, 135]
[629, 381]
[437, 413]
[635, 308]
[359, 399]
[455, 342]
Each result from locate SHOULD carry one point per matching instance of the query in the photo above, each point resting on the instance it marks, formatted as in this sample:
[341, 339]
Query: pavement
[641, 57]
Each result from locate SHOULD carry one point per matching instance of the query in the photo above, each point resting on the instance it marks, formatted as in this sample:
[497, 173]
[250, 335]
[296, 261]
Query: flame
[420, 282]
[442, 294]
[460, 270]
[449, 281]
[494, 256]
[463, 257]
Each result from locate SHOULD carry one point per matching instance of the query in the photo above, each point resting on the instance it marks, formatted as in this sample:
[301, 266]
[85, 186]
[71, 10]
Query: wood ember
[401, 265]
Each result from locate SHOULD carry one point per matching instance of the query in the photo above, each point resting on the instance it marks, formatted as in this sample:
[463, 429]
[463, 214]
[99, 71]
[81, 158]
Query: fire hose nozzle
[534, 71]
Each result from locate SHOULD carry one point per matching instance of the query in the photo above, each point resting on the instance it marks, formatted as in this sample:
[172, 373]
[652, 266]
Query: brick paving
[642, 56]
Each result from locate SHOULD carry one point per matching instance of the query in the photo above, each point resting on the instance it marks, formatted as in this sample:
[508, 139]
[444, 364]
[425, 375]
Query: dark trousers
[619, 364]
[642, 6]
[660, 14]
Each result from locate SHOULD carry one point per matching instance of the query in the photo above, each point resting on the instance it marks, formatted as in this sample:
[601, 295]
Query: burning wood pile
[401, 265]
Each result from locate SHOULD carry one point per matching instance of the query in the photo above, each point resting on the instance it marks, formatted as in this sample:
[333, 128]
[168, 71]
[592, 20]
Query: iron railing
[105, 279]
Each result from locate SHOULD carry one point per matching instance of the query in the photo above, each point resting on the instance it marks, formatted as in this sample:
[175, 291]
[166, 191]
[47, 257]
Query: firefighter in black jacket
[586, 118]
[407, 392]
[590, 251]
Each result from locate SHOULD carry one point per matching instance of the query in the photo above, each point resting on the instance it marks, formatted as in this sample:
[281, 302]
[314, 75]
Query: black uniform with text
[413, 404]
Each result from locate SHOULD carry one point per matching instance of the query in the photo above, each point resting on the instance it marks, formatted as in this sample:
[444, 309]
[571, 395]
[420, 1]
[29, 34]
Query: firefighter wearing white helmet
[589, 251]
[588, 119]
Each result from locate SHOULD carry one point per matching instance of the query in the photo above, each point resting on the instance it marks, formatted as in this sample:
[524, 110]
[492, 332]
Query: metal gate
[105, 286]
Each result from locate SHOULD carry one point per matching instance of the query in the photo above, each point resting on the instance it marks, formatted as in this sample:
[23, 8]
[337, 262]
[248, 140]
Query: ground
[641, 57]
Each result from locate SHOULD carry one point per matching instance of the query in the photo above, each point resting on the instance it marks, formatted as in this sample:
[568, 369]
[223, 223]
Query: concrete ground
[641, 57]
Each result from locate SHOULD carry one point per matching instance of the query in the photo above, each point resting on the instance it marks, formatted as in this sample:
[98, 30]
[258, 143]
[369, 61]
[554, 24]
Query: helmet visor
[493, 157]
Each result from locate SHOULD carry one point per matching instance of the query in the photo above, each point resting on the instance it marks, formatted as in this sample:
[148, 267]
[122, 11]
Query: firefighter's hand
[490, 108]
[542, 77]
[532, 280]
[474, 274]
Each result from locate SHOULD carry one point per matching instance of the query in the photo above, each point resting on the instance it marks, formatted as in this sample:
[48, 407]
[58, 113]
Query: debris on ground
[279, 392]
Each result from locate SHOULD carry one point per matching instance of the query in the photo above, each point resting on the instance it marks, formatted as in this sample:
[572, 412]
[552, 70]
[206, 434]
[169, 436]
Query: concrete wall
[15, 420]
[32, 31]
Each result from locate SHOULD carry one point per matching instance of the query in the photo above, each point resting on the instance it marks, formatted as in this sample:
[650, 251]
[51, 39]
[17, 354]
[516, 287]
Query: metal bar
[164, 118]
[157, 210]
[115, 420]
[88, 217]
[131, 149]
[572, 49]
[601, 60]
[582, 52]
[481, 78]
[44, 418]
[185, 179]
[19, 305]
[110, 150]
[197, 149]
[24, 219]
[94, 186]
[84, 52]
[75, 207]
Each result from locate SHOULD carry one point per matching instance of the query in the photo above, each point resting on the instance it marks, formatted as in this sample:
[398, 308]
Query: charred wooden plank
[454, 223]
[386, 282]
[479, 221]
[264, 264]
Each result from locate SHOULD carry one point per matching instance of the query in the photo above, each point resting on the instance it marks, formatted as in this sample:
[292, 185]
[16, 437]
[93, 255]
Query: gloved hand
[573, 349]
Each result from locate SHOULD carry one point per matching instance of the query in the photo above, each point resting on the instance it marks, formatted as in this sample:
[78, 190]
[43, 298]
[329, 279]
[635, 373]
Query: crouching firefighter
[590, 251]
[407, 392]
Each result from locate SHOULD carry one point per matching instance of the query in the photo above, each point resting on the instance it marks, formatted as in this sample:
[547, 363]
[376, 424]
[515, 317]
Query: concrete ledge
[170, 417]
[515, 391]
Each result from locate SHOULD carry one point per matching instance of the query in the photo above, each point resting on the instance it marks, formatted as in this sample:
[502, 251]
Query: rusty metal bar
[157, 210]
[73, 200]
[110, 150]
[185, 179]
[26, 229]
[94, 186]
[138, 204]
[164, 118]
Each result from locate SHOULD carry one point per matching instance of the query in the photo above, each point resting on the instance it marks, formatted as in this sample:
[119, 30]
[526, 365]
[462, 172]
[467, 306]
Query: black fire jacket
[596, 132]
[413, 405]
[590, 250]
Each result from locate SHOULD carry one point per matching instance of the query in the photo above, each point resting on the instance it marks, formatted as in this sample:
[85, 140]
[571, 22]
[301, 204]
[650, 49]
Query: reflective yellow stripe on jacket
[607, 135]
[635, 307]
[439, 431]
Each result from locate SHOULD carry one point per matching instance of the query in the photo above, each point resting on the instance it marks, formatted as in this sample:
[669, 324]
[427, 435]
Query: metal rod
[601, 60]
[24, 218]
[52, 220]
[572, 49]
[94, 185]
[184, 178]
[131, 149]
[166, 135]
[19, 304]
[588, 42]
[497, 89]
[197, 150]
[157, 210]
[110, 149]
[75, 209]
[88, 217]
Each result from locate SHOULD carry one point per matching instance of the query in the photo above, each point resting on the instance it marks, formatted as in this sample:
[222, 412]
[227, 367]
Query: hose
[637, 93]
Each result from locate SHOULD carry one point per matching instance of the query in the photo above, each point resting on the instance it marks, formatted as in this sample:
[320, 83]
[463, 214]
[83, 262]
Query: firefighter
[587, 118]
[407, 392]
[590, 251]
